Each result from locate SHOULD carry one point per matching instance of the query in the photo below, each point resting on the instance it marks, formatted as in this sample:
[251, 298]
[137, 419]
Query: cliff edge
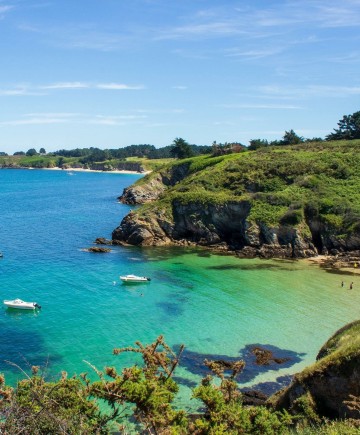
[285, 202]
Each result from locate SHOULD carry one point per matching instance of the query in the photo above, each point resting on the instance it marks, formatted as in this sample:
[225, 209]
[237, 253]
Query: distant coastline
[69, 169]
[112, 171]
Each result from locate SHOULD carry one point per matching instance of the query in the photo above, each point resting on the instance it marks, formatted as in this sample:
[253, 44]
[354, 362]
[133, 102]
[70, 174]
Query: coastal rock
[332, 381]
[98, 250]
[141, 194]
[217, 226]
[154, 185]
[102, 241]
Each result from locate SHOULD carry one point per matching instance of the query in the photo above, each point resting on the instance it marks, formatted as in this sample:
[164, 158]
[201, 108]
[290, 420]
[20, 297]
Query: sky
[111, 73]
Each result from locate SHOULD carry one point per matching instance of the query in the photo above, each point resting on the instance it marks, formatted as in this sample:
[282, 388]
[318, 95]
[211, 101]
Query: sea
[218, 306]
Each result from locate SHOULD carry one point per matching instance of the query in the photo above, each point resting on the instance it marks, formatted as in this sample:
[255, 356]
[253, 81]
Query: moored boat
[22, 305]
[134, 278]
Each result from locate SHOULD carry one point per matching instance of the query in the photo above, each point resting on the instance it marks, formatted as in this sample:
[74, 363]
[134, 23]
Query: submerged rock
[97, 250]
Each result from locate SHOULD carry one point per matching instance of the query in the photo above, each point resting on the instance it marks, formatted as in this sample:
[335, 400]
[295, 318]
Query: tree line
[348, 129]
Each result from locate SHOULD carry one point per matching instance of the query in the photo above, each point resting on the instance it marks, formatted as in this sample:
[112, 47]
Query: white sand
[93, 170]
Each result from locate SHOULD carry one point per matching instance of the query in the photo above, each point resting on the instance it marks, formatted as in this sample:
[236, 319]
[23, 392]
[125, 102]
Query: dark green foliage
[31, 152]
[181, 149]
[40, 407]
[291, 138]
[292, 217]
[349, 128]
[254, 144]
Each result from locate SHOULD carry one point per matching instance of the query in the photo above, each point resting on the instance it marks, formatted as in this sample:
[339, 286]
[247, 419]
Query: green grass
[277, 180]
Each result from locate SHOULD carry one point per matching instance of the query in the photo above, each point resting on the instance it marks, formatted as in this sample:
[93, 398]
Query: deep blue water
[218, 306]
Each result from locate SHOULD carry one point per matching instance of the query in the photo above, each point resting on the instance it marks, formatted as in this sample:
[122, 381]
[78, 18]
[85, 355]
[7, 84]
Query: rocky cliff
[332, 384]
[249, 203]
[222, 227]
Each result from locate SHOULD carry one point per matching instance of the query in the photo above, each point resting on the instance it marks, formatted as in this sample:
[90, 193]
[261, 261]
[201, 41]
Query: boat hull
[18, 304]
[134, 279]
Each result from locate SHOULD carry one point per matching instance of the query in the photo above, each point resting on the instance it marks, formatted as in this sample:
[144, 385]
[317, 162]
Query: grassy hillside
[280, 182]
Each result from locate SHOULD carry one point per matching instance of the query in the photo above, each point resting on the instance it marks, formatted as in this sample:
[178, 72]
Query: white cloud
[118, 86]
[310, 90]
[73, 118]
[115, 120]
[66, 85]
[261, 106]
[18, 91]
[32, 121]
[253, 54]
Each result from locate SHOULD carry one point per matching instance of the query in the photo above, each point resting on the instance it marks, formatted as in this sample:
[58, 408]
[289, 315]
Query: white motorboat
[22, 305]
[134, 278]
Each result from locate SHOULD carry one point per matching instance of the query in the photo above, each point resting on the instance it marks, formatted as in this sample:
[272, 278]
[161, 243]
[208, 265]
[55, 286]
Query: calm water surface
[216, 305]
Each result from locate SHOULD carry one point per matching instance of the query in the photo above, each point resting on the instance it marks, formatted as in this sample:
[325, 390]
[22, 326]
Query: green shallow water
[216, 305]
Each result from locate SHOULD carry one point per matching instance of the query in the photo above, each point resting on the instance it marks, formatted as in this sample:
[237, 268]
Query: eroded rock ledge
[226, 228]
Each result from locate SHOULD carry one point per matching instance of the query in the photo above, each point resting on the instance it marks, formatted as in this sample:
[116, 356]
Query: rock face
[332, 380]
[224, 227]
[155, 186]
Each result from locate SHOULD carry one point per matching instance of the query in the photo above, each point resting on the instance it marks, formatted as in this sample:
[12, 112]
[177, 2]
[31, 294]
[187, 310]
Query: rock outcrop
[333, 382]
[253, 204]
[222, 227]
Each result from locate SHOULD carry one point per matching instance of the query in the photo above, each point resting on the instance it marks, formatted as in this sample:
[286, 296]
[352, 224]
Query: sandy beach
[94, 170]
[328, 262]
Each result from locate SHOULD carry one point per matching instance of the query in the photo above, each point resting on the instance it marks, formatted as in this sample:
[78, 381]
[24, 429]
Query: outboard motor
[37, 306]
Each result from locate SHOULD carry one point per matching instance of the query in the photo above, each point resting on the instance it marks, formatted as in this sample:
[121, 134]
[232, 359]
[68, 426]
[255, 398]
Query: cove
[216, 305]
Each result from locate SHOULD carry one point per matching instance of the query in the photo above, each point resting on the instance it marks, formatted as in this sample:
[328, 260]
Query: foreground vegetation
[145, 395]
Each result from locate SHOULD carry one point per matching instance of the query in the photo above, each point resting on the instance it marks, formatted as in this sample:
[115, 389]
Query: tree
[42, 151]
[31, 152]
[181, 149]
[291, 138]
[254, 144]
[349, 128]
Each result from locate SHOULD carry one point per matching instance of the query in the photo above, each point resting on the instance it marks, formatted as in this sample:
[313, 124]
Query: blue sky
[111, 73]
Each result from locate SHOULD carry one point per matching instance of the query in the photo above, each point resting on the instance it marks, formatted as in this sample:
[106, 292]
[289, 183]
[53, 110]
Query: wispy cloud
[66, 85]
[21, 90]
[115, 120]
[4, 9]
[262, 106]
[271, 20]
[310, 90]
[253, 54]
[118, 86]
[74, 118]
[205, 30]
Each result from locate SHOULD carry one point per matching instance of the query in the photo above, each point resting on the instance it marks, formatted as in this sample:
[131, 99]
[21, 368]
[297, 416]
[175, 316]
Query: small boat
[134, 278]
[22, 305]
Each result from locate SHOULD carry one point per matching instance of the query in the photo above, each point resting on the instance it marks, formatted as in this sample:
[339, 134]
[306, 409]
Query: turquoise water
[215, 305]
